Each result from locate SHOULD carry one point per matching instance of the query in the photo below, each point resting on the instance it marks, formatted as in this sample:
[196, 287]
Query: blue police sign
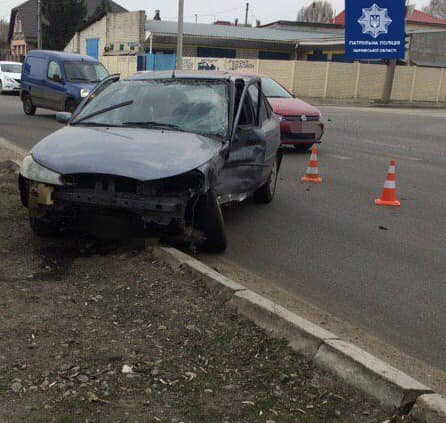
[374, 29]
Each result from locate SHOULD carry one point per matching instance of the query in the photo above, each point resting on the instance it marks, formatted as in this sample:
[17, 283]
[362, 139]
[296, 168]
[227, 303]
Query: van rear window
[35, 67]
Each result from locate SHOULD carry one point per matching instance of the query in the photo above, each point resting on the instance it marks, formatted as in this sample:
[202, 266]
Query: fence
[321, 79]
[124, 65]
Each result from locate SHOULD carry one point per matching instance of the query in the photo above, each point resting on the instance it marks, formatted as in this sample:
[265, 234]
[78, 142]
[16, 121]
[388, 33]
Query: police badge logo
[374, 21]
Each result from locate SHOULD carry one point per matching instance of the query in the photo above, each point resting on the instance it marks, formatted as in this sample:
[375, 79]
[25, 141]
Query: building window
[112, 47]
[273, 55]
[216, 52]
[121, 47]
[317, 56]
[18, 25]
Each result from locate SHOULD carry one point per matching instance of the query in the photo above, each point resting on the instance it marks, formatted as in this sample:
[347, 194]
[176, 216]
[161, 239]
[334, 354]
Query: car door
[55, 87]
[249, 161]
[34, 79]
[268, 125]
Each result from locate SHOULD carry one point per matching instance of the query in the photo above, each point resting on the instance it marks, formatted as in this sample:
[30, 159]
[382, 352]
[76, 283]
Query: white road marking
[338, 156]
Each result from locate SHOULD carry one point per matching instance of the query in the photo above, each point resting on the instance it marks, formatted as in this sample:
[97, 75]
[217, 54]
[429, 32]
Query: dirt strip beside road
[104, 332]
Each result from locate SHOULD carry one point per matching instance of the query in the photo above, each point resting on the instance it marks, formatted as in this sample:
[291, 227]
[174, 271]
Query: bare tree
[318, 11]
[4, 27]
[436, 8]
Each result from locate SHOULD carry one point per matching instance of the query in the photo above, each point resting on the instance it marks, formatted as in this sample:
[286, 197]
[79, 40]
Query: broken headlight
[32, 170]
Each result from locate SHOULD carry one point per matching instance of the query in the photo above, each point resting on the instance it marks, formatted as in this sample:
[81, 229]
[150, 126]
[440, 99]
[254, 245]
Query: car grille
[310, 118]
[117, 184]
[301, 136]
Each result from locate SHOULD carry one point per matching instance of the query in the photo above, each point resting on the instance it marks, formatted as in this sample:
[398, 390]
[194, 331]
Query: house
[22, 36]
[329, 48]
[129, 34]
[110, 34]
[235, 41]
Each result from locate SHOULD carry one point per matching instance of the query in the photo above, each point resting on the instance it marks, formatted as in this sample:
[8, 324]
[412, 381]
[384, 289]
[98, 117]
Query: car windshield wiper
[150, 124]
[105, 110]
[107, 125]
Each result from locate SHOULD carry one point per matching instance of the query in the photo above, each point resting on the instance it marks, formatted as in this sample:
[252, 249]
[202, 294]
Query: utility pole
[246, 14]
[180, 34]
[39, 24]
[388, 82]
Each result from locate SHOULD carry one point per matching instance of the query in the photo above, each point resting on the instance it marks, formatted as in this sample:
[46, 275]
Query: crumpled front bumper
[72, 205]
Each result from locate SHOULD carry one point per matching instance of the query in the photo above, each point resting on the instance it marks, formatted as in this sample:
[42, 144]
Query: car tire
[302, 148]
[265, 193]
[210, 222]
[1, 88]
[70, 106]
[43, 228]
[28, 106]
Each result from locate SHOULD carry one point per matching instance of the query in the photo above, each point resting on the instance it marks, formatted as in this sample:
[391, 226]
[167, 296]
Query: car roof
[60, 55]
[190, 74]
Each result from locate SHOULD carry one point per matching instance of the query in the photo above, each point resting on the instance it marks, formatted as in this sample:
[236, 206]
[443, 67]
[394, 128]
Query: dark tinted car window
[85, 72]
[11, 67]
[35, 67]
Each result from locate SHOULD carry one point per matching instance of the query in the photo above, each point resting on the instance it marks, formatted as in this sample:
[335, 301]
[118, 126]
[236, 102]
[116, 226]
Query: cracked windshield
[190, 106]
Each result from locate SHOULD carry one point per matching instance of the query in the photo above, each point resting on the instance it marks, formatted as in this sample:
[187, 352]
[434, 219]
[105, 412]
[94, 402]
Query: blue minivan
[57, 80]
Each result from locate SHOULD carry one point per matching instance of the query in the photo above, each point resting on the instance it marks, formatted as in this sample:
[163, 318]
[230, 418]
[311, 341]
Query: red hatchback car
[301, 124]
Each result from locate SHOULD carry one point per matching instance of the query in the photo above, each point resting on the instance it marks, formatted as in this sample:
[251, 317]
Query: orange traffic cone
[388, 196]
[312, 170]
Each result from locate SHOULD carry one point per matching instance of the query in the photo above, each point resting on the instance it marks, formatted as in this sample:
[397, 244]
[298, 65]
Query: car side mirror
[63, 117]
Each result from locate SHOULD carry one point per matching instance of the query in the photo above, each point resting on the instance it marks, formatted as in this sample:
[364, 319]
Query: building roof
[421, 17]
[303, 25]
[28, 15]
[169, 28]
[416, 16]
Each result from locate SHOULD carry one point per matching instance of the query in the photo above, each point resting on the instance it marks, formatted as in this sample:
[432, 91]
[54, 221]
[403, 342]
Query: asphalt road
[381, 269]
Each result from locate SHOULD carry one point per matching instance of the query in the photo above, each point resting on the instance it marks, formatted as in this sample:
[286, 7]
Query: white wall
[96, 30]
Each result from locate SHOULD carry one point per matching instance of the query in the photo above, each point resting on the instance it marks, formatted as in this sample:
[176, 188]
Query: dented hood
[143, 154]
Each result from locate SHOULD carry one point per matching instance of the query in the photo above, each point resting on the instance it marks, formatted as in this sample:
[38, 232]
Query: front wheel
[210, 221]
[265, 193]
[70, 106]
[1, 88]
[28, 106]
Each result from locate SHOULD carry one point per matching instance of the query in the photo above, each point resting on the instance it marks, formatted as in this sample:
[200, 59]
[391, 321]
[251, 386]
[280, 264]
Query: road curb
[216, 281]
[12, 147]
[303, 336]
[368, 373]
[430, 408]
[353, 365]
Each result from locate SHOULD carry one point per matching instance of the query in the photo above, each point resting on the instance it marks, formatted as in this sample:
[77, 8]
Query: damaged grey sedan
[155, 155]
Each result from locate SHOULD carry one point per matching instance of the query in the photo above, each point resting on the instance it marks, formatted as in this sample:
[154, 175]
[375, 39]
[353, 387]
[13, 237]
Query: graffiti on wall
[209, 64]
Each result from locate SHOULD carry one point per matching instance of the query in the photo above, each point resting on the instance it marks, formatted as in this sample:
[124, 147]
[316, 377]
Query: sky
[211, 10]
